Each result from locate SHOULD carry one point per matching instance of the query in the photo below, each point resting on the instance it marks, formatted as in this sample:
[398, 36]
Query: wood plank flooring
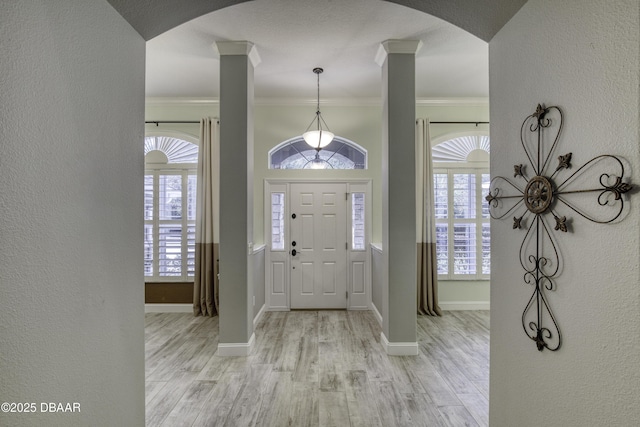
[317, 368]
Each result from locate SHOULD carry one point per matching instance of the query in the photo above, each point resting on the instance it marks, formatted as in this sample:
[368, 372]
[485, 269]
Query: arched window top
[339, 154]
[468, 148]
[167, 149]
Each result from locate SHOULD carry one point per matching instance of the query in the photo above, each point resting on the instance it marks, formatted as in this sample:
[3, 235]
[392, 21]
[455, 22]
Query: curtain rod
[459, 123]
[158, 122]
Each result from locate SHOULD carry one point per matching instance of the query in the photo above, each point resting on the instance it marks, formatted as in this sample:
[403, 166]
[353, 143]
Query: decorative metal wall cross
[537, 203]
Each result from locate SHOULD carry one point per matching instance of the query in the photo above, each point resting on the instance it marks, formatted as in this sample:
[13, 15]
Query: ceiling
[293, 37]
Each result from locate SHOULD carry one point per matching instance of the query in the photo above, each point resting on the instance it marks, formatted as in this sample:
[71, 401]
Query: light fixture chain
[318, 103]
[318, 138]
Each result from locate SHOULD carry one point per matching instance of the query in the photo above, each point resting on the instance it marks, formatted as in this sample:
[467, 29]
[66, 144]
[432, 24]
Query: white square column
[237, 62]
[399, 311]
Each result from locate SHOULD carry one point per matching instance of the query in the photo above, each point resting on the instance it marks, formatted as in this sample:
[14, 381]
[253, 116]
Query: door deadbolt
[293, 243]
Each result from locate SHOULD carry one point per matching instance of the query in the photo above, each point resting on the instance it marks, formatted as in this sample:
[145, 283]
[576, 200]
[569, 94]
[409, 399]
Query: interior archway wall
[482, 18]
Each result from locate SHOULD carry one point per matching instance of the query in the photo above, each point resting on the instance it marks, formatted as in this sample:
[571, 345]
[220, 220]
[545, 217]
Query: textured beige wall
[71, 293]
[584, 57]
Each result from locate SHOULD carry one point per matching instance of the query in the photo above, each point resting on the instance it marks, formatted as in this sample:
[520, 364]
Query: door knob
[293, 243]
[293, 252]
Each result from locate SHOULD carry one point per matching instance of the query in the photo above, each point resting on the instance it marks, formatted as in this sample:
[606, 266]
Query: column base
[398, 348]
[236, 349]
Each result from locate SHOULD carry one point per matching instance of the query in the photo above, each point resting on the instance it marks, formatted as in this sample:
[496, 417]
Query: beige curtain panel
[426, 227]
[205, 287]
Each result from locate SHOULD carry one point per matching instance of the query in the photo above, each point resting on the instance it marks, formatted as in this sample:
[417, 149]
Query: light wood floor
[317, 368]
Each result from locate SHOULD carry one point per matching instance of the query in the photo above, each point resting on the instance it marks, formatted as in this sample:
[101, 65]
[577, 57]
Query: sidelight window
[277, 221]
[357, 222]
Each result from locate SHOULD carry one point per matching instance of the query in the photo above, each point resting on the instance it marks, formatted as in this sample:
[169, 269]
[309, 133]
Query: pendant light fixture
[321, 136]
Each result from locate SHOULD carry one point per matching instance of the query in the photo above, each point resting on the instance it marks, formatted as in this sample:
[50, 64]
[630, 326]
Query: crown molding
[333, 102]
[454, 102]
[180, 101]
[337, 102]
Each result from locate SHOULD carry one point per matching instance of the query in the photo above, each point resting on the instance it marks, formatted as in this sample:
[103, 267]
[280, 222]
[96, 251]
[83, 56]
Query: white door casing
[318, 226]
[323, 273]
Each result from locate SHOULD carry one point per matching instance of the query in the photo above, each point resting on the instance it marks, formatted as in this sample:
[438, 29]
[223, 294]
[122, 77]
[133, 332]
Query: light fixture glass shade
[318, 138]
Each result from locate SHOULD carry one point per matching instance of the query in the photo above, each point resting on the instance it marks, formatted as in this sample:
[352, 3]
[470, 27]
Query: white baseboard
[236, 349]
[376, 313]
[464, 305]
[168, 308]
[256, 319]
[398, 348]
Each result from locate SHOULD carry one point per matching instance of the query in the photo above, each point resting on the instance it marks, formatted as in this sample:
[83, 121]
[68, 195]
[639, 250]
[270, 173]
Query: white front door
[318, 226]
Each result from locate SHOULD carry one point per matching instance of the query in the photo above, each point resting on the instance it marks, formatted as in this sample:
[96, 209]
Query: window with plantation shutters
[461, 180]
[169, 209]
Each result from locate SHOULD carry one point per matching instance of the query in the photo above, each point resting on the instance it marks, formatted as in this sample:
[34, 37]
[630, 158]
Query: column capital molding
[239, 47]
[396, 46]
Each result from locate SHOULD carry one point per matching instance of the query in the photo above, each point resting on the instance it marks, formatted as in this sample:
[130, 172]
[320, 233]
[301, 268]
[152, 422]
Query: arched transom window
[339, 154]
[166, 149]
[471, 148]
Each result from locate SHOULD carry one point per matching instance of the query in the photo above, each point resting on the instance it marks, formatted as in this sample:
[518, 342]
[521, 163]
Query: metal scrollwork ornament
[537, 202]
